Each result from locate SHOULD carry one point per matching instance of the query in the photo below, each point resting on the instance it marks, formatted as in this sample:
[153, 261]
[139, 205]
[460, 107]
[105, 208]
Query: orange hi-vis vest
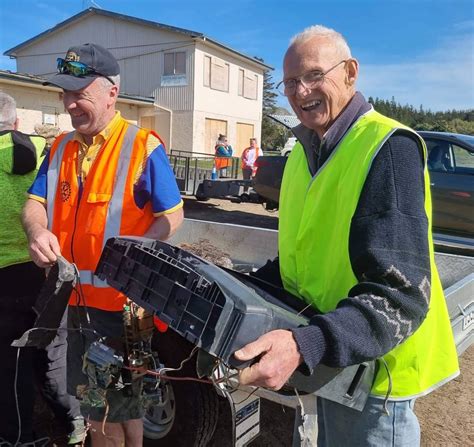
[221, 162]
[84, 220]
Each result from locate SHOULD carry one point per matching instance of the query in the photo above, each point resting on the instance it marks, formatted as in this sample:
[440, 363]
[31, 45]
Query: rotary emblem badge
[65, 191]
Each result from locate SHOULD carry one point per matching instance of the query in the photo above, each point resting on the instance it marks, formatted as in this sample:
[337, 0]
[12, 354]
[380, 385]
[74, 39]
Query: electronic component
[217, 311]
[50, 305]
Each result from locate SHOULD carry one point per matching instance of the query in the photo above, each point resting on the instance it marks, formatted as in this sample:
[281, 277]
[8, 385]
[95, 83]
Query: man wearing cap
[107, 178]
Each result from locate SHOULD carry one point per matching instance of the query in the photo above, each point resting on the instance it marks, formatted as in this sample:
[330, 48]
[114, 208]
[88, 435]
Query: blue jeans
[340, 426]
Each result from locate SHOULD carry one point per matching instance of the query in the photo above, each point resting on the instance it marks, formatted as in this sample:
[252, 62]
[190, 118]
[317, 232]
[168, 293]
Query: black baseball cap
[100, 60]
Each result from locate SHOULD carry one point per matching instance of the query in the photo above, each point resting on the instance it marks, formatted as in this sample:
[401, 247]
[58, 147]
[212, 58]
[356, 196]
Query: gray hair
[7, 112]
[336, 38]
[106, 83]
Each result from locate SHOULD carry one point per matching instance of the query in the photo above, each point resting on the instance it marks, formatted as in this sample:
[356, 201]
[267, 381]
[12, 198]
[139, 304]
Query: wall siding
[183, 137]
[138, 48]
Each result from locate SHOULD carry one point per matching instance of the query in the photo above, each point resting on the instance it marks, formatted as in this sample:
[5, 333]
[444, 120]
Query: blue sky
[419, 51]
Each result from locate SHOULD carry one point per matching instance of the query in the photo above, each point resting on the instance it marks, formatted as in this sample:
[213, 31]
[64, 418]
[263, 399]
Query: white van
[288, 146]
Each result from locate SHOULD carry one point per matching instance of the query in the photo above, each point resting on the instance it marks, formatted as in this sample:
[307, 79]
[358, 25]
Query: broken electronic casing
[50, 305]
[217, 311]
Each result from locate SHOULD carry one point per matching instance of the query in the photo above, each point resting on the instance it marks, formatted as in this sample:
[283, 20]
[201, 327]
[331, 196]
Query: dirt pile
[205, 250]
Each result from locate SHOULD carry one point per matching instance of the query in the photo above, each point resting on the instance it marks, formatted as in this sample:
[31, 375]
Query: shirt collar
[356, 107]
[103, 135]
[317, 151]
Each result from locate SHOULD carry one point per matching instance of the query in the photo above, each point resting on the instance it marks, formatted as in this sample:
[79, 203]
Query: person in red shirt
[249, 155]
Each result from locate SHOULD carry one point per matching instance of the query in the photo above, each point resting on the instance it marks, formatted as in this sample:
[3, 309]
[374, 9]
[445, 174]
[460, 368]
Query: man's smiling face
[318, 107]
[91, 108]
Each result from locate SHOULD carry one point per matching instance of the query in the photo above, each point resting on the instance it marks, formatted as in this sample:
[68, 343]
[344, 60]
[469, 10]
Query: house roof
[288, 121]
[24, 78]
[12, 52]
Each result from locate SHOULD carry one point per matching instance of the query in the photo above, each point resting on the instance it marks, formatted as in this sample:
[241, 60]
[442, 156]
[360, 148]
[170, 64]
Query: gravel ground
[446, 416]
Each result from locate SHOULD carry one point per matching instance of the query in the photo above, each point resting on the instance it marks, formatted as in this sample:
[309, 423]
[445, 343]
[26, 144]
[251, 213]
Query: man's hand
[279, 357]
[43, 247]
[42, 244]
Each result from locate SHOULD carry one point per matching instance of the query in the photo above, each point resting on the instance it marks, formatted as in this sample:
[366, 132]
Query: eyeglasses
[77, 69]
[312, 79]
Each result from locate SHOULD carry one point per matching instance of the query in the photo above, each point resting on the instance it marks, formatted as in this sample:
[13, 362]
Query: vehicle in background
[451, 167]
[288, 146]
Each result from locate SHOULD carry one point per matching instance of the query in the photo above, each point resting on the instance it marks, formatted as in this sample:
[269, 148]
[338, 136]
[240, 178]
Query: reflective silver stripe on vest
[87, 277]
[114, 213]
[54, 167]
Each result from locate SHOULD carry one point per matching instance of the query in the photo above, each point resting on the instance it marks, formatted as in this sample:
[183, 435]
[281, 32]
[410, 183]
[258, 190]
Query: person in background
[108, 178]
[21, 281]
[248, 157]
[223, 153]
[355, 243]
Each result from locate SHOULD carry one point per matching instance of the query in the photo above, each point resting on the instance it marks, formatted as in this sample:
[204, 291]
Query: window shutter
[219, 74]
[250, 86]
[207, 71]
[240, 88]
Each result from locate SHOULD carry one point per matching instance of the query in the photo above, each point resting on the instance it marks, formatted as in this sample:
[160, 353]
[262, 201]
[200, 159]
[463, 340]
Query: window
[247, 84]
[444, 156]
[463, 160]
[439, 157]
[175, 63]
[219, 75]
[216, 74]
[174, 70]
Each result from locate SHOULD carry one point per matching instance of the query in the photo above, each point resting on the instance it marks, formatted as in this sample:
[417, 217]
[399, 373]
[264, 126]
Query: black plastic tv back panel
[202, 302]
[217, 310]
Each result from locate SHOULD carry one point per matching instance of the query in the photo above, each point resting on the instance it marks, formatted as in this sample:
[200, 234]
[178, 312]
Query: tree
[273, 134]
[459, 121]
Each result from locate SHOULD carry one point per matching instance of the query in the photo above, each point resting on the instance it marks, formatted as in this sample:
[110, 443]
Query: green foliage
[458, 121]
[273, 134]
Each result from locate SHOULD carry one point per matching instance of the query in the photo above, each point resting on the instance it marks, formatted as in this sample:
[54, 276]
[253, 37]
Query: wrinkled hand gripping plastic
[218, 312]
[50, 305]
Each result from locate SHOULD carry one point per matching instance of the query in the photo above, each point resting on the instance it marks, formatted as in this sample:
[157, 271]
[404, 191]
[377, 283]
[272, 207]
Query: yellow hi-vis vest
[314, 226]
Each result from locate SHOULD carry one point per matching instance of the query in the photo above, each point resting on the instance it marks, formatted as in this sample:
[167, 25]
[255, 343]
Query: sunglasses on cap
[77, 69]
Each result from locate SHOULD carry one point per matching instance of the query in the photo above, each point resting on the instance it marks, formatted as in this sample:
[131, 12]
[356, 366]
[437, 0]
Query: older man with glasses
[355, 243]
[107, 178]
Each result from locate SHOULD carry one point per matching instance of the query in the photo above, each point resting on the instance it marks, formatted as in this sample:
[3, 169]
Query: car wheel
[158, 420]
[190, 410]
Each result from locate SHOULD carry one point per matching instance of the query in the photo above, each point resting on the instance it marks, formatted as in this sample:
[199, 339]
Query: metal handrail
[188, 172]
[190, 154]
